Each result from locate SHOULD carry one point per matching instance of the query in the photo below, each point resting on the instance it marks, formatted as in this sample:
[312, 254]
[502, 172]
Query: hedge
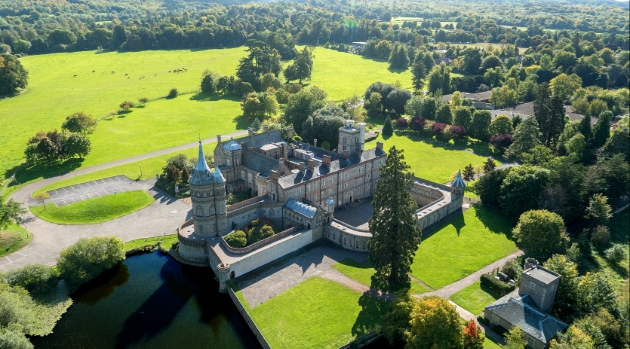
[498, 286]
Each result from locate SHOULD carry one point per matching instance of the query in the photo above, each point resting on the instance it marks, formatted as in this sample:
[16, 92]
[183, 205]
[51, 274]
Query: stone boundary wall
[259, 244]
[350, 226]
[248, 319]
[429, 183]
[244, 203]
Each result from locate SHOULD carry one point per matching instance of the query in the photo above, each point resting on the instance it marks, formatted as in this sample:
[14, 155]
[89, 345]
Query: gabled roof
[259, 163]
[520, 312]
[301, 208]
[322, 170]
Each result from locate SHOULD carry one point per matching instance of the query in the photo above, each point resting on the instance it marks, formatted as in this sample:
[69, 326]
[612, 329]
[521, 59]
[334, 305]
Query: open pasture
[96, 83]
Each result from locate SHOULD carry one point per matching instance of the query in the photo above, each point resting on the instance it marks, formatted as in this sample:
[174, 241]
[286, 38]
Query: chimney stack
[345, 154]
[290, 132]
[266, 128]
[301, 167]
[326, 160]
[274, 174]
[379, 145]
[311, 164]
[251, 132]
[315, 142]
[219, 139]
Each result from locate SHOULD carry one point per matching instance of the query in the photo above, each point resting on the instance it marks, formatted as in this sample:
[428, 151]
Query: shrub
[401, 122]
[502, 140]
[498, 286]
[35, 278]
[615, 254]
[172, 93]
[512, 269]
[325, 145]
[126, 105]
[87, 258]
[417, 123]
[259, 233]
[11, 339]
[236, 239]
[457, 131]
[438, 128]
[600, 237]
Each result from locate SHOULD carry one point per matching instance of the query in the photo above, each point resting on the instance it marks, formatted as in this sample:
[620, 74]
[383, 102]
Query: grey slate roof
[231, 145]
[543, 275]
[322, 170]
[261, 139]
[259, 163]
[520, 312]
[301, 208]
[201, 174]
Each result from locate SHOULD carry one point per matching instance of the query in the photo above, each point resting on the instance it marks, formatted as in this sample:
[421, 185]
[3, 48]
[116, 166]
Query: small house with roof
[528, 307]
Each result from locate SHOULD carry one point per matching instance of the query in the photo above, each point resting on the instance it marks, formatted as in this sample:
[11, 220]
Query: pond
[151, 301]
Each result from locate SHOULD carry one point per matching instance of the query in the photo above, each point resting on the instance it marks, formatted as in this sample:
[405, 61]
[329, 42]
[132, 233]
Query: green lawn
[363, 274]
[467, 243]
[474, 298]
[54, 92]
[95, 210]
[469, 191]
[13, 238]
[150, 167]
[167, 242]
[433, 162]
[317, 313]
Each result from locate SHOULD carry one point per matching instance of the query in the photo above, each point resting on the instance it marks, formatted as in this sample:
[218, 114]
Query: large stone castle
[299, 186]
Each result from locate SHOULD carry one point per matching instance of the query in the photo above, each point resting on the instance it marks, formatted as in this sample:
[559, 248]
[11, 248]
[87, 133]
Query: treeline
[156, 25]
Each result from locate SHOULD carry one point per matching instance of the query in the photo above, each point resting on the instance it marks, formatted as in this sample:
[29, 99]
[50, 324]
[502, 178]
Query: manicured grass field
[150, 167]
[95, 210]
[467, 243]
[433, 162]
[363, 274]
[167, 242]
[55, 92]
[13, 238]
[474, 298]
[316, 314]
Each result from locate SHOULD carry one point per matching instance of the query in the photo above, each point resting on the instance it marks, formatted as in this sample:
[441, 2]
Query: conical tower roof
[201, 174]
[459, 182]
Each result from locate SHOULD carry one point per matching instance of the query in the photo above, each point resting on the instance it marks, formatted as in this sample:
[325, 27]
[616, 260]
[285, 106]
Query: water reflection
[151, 301]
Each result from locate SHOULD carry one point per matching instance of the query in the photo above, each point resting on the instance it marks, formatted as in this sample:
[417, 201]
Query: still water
[151, 301]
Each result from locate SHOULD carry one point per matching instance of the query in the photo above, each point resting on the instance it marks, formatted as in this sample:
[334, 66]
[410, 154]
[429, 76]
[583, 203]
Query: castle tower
[207, 194]
[349, 138]
[458, 186]
[541, 285]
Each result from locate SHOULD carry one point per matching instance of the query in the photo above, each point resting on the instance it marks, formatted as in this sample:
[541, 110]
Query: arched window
[199, 210]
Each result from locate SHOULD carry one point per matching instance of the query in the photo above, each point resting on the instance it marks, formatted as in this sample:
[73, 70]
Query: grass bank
[467, 243]
[317, 313]
[13, 238]
[474, 298]
[93, 211]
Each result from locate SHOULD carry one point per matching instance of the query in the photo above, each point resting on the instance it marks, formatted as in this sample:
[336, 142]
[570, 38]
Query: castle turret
[458, 186]
[207, 194]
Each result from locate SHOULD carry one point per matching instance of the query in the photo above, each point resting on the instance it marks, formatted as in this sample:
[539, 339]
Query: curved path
[161, 217]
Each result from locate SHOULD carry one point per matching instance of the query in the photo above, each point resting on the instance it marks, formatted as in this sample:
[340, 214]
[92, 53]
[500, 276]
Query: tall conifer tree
[395, 233]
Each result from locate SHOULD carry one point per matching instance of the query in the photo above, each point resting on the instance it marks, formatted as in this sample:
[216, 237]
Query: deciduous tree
[434, 324]
[542, 233]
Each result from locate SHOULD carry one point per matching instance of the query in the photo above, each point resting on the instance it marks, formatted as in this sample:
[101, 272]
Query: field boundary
[248, 319]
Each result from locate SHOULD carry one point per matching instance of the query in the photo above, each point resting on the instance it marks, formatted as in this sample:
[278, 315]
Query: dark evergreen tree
[399, 59]
[489, 165]
[549, 112]
[586, 128]
[395, 233]
[469, 173]
[601, 132]
[388, 130]
[419, 73]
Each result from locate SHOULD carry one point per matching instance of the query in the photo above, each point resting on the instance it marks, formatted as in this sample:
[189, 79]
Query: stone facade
[296, 185]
